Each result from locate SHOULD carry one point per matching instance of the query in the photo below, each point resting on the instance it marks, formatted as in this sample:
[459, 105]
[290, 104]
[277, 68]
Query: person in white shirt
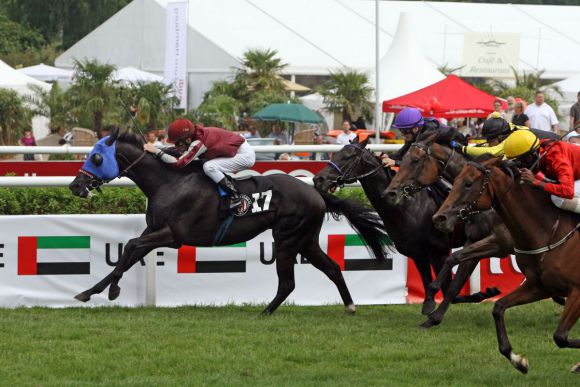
[541, 114]
[347, 135]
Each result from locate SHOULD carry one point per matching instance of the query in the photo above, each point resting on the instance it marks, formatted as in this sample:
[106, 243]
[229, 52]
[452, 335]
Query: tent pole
[377, 91]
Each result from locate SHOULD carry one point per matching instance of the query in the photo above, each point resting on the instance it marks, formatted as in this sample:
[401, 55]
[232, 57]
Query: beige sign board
[490, 54]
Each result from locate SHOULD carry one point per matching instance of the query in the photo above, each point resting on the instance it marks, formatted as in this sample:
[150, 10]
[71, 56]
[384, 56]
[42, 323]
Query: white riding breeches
[569, 204]
[216, 169]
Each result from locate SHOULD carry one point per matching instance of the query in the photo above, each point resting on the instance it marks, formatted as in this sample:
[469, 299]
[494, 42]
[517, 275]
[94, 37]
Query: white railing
[64, 181]
[66, 149]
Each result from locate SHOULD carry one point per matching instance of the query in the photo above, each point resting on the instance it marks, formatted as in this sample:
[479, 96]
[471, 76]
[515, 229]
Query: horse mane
[131, 138]
[443, 136]
[506, 166]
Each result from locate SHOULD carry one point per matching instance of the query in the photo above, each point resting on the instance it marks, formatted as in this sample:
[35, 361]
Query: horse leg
[524, 294]
[437, 263]
[424, 269]
[463, 272]
[284, 252]
[569, 317]
[135, 249]
[325, 264]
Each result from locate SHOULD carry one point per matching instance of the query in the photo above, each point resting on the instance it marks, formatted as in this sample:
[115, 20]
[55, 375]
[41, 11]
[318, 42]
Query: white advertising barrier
[45, 260]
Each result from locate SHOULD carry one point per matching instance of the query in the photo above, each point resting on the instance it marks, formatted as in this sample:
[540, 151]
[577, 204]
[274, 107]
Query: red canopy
[449, 98]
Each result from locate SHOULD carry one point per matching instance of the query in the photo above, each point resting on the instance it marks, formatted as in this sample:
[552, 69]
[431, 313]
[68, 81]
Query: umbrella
[131, 74]
[292, 112]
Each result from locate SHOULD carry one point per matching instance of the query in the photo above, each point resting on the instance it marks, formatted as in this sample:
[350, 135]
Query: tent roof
[404, 68]
[12, 79]
[44, 72]
[131, 74]
[449, 98]
[317, 36]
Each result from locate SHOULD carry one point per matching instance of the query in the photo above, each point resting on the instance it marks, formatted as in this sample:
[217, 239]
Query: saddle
[251, 184]
[255, 193]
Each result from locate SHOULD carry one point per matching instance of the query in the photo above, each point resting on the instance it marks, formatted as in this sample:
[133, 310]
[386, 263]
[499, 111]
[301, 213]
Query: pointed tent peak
[132, 74]
[404, 68]
[45, 72]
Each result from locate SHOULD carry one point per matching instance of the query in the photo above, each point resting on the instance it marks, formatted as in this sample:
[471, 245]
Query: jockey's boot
[227, 185]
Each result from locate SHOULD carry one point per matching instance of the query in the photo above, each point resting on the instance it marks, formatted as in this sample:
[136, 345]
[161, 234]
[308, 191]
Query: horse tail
[363, 220]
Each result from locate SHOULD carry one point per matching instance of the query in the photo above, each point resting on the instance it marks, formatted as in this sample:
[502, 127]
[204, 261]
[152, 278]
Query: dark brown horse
[410, 226]
[486, 235]
[546, 240]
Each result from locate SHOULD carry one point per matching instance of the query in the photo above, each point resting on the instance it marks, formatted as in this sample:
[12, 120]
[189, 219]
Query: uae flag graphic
[349, 251]
[47, 255]
[232, 259]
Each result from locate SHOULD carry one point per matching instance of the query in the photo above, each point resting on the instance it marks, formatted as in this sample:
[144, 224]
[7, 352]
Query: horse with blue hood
[185, 208]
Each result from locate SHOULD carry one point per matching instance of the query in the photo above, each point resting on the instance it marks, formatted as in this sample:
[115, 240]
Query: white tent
[12, 79]
[569, 88]
[404, 68]
[315, 102]
[314, 37]
[131, 74]
[47, 73]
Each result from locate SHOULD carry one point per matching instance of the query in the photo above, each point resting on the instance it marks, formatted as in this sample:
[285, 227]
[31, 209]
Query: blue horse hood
[102, 162]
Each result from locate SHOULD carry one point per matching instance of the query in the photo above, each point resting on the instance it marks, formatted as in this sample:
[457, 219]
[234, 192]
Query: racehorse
[546, 242]
[486, 235]
[410, 226]
[184, 207]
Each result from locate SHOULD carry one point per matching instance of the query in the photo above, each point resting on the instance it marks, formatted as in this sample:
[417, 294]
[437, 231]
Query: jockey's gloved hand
[454, 144]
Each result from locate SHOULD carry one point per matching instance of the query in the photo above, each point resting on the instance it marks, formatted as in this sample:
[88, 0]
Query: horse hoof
[559, 300]
[576, 368]
[428, 308]
[114, 293]
[429, 323]
[520, 363]
[350, 309]
[83, 297]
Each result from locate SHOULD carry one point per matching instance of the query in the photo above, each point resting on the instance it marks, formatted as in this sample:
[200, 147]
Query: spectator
[520, 118]
[575, 114]
[280, 138]
[252, 132]
[28, 140]
[319, 140]
[510, 111]
[541, 114]
[573, 136]
[347, 134]
[152, 139]
[497, 108]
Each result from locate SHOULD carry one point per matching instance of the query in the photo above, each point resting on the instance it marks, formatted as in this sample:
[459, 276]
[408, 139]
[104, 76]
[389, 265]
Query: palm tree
[53, 103]
[14, 116]
[348, 92]
[93, 89]
[261, 70]
[155, 105]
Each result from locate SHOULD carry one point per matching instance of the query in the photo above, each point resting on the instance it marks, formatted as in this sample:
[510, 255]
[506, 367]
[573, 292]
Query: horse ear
[355, 140]
[112, 137]
[429, 138]
[492, 162]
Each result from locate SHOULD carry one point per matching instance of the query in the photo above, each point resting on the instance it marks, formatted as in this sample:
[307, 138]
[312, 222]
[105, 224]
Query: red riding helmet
[179, 130]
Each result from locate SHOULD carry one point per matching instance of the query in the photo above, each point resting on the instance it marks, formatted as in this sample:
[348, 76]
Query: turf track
[297, 346]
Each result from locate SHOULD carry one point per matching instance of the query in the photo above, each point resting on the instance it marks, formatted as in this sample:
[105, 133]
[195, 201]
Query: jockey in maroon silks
[223, 152]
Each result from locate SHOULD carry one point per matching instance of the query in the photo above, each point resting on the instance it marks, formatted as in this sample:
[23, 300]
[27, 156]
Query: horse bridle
[471, 209]
[411, 189]
[343, 177]
[96, 183]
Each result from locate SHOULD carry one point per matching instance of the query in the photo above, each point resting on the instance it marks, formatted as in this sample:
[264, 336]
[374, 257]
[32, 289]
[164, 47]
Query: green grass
[297, 346]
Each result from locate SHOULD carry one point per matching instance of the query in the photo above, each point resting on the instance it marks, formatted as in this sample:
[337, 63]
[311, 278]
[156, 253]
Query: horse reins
[343, 178]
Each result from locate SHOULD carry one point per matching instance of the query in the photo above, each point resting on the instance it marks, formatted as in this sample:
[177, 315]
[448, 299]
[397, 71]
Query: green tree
[53, 103]
[14, 116]
[261, 70]
[155, 105]
[16, 38]
[219, 110]
[94, 91]
[348, 92]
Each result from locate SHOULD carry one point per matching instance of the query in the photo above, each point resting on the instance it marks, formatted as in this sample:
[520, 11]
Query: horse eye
[97, 159]
[468, 184]
[414, 161]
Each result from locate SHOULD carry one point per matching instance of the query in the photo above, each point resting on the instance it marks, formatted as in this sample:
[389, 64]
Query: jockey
[496, 130]
[559, 161]
[223, 152]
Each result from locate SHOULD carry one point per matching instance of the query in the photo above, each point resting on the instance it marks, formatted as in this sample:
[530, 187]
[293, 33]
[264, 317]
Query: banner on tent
[176, 50]
[490, 54]
[46, 260]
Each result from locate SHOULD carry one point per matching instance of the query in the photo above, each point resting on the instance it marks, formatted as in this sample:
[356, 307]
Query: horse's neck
[151, 175]
[526, 212]
[374, 186]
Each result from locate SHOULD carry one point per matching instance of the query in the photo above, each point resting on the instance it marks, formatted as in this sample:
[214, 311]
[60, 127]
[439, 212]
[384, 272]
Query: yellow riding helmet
[520, 143]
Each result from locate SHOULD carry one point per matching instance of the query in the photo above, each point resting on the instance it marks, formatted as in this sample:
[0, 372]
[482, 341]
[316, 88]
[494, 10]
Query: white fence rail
[65, 149]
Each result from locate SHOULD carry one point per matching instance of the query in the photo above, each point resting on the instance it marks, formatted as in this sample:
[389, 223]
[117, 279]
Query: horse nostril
[439, 219]
[317, 180]
[390, 195]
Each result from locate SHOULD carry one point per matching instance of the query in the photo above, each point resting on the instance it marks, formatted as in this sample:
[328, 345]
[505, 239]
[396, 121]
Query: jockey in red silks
[223, 152]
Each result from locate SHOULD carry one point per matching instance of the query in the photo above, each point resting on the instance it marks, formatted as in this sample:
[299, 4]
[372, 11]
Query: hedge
[112, 200]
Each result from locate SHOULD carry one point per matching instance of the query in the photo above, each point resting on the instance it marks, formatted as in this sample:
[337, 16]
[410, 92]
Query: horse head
[351, 163]
[109, 156]
[419, 168]
[471, 194]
